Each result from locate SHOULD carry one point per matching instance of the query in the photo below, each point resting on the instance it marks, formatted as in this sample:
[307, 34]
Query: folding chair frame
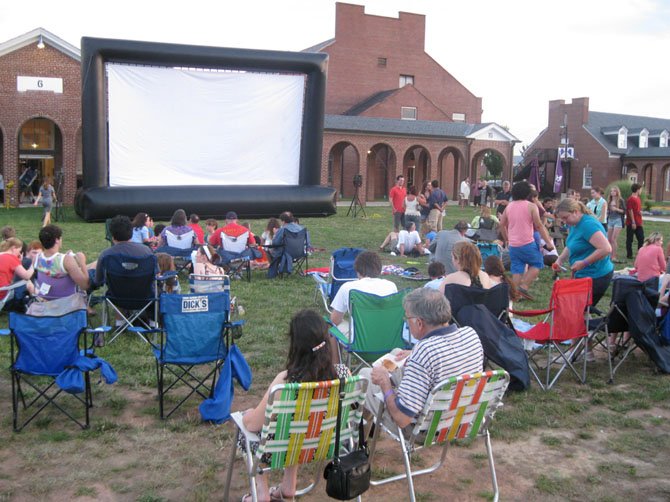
[9, 290]
[457, 408]
[553, 341]
[308, 432]
[45, 395]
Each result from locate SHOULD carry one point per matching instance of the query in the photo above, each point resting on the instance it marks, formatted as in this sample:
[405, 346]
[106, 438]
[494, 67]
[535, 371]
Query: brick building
[40, 112]
[390, 107]
[603, 147]
[393, 109]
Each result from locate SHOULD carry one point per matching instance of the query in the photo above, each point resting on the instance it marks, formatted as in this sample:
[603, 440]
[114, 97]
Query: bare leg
[614, 242]
[528, 278]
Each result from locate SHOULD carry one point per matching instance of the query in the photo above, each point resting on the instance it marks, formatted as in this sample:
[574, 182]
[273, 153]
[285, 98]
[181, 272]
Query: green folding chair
[299, 428]
[377, 323]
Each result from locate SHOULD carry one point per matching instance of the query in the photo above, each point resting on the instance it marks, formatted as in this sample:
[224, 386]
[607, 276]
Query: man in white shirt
[368, 267]
[409, 241]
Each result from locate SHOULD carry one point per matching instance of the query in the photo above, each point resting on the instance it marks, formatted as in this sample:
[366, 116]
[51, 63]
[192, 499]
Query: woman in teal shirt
[586, 247]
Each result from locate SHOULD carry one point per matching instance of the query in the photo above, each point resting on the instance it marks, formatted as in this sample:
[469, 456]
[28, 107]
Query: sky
[516, 55]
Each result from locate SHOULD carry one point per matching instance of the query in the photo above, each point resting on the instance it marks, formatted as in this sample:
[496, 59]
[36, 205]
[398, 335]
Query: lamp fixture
[40, 43]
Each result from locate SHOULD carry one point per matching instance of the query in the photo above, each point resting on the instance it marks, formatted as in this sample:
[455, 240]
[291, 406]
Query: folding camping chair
[567, 318]
[41, 349]
[291, 253]
[457, 408]
[206, 283]
[131, 291]
[495, 299]
[236, 255]
[299, 428]
[8, 293]
[615, 321]
[195, 331]
[376, 327]
[341, 271]
[487, 249]
[180, 247]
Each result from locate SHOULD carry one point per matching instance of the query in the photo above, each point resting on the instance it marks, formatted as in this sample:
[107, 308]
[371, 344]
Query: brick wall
[63, 109]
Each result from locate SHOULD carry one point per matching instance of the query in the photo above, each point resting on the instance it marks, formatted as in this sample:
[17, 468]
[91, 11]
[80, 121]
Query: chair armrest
[4, 332]
[99, 329]
[167, 275]
[530, 313]
[236, 324]
[140, 329]
[239, 422]
[339, 336]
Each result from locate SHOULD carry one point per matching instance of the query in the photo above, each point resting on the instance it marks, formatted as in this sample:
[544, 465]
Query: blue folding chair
[487, 249]
[42, 348]
[195, 331]
[342, 269]
[180, 247]
[131, 291]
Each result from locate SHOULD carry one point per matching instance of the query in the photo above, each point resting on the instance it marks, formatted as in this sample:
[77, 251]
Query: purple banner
[559, 175]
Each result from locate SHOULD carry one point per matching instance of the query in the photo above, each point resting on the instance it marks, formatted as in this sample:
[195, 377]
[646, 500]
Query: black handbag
[348, 476]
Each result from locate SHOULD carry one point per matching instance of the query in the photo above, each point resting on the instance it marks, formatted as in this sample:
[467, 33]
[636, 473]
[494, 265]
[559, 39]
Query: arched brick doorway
[665, 181]
[381, 171]
[479, 170]
[648, 179]
[40, 152]
[416, 166]
[343, 162]
[451, 171]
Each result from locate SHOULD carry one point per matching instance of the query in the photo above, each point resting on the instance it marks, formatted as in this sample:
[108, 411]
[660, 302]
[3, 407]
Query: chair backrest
[7, 292]
[206, 283]
[181, 241]
[300, 420]
[487, 249]
[234, 244]
[47, 345]
[617, 319]
[569, 300]
[461, 407]
[496, 299]
[378, 323]
[194, 326]
[342, 268]
[130, 280]
[295, 243]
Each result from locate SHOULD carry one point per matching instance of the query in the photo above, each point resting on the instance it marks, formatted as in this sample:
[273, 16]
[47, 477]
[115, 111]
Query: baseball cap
[231, 215]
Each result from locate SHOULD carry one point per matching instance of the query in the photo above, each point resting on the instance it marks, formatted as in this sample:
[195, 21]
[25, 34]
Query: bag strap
[340, 398]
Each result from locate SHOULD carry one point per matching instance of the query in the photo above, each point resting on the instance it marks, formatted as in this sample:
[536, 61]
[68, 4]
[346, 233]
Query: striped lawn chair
[457, 408]
[299, 428]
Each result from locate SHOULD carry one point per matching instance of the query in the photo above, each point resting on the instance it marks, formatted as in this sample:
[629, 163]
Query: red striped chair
[299, 428]
[457, 408]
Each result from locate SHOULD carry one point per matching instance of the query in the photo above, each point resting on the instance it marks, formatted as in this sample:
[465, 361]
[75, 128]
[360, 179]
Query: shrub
[624, 186]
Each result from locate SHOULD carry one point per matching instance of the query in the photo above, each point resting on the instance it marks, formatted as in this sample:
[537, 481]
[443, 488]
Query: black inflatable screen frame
[97, 200]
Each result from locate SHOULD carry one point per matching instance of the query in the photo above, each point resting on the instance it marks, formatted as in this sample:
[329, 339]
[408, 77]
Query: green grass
[137, 456]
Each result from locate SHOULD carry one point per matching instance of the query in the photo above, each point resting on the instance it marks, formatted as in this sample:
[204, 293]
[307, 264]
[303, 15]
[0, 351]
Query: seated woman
[140, 229]
[59, 274]
[309, 360]
[166, 264]
[177, 227]
[494, 267]
[10, 266]
[485, 220]
[468, 262]
[205, 260]
[650, 262]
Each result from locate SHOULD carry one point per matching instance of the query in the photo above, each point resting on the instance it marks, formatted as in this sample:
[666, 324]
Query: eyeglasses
[408, 318]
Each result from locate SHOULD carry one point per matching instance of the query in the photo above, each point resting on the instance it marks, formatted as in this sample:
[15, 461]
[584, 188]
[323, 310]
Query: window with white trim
[587, 177]
[458, 117]
[406, 79]
[663, 140]
[622, 140]
[644, 139]
[408, 112]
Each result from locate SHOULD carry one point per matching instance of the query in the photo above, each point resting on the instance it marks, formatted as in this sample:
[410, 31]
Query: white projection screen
[185, 127]
[204, 129]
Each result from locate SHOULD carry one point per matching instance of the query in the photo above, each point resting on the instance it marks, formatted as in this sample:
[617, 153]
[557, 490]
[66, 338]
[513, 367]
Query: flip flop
[276, 495]
[523, 292]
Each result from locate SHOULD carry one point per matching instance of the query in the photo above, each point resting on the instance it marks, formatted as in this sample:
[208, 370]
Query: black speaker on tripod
[59, 181]
[356, 206]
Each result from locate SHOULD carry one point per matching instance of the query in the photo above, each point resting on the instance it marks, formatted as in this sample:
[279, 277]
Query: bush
[624, 187]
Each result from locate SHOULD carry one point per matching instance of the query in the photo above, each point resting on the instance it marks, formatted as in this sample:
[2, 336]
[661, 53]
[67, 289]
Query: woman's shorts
[525, 255]
[615, 223]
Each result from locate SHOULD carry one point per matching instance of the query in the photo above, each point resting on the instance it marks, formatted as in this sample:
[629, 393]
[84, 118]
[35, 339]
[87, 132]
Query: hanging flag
[535, 174]
[559, 175]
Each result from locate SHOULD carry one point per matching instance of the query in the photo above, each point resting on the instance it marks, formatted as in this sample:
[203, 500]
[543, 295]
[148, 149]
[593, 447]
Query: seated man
[443, 245]
[233, 241]
[121, 229]
[368, 267]
[409, 242]
[59, 274]
[443, 351]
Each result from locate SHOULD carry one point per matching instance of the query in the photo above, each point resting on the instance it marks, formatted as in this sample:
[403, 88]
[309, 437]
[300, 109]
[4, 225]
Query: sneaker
[393, 253]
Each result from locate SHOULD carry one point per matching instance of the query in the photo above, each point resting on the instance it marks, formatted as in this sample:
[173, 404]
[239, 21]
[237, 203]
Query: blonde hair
[485, 212]
[618, 193]
[10, 243]
[653, 238]
[571, 205]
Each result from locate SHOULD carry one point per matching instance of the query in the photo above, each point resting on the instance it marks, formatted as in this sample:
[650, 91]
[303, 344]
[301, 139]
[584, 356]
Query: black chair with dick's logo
[190, 346]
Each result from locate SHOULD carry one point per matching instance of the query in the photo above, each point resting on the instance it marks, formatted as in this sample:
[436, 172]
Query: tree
[494, 164]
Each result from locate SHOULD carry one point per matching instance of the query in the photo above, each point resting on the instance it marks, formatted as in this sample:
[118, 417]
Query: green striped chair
[457, 408]
[299, 428]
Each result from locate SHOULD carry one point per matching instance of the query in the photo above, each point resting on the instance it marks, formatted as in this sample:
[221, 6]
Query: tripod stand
[356, 206]
[59, 214]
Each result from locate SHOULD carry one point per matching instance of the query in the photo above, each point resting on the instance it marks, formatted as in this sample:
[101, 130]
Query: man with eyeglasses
[443, 351]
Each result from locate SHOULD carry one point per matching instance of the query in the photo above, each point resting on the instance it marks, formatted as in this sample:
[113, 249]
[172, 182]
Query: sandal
[276, 495]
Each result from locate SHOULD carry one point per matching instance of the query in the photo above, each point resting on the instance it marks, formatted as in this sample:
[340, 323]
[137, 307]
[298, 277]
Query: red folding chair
[567, 318]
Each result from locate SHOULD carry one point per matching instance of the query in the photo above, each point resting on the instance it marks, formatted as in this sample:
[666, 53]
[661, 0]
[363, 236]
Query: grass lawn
[593, 441]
